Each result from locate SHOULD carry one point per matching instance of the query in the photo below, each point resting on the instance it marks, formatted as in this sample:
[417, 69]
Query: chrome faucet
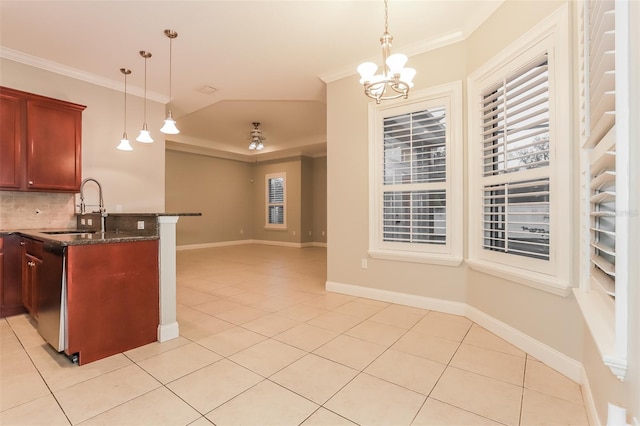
[103, 211]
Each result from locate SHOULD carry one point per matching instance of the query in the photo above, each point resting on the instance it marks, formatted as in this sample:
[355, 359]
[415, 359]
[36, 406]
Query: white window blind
[275, 200]
[414, 178]
[515, 163]
[601, 143]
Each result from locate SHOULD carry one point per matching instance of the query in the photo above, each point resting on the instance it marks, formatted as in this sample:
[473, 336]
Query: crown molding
[54, 67]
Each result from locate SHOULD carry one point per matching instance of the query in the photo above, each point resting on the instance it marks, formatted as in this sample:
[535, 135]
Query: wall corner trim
[546, 354]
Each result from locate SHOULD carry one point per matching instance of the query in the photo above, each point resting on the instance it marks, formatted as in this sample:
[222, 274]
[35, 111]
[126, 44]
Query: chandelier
[395, 80]
[256, 138]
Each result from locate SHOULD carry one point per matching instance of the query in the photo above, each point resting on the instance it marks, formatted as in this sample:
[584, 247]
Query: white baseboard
[589, 403]
[211, 245]
[446, 306]
[546, 354]
[168, 332]
[239, 242]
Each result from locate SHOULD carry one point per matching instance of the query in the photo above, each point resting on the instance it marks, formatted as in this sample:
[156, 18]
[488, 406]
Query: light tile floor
[262, 343]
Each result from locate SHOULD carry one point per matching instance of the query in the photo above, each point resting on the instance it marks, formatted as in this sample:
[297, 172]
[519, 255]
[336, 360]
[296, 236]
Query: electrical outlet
[364, 263]
[309, 233]
[294, 233]
[118, 208]
[323, 233]
[242, 231]
[141, 224]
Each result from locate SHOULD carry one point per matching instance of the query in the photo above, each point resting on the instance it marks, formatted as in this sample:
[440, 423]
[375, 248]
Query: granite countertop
[68, 237]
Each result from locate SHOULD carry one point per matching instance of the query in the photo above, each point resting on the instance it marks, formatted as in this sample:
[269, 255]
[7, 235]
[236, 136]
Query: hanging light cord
[170, 62]
[145, 91]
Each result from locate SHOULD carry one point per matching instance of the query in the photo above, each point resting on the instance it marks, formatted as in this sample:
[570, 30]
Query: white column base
[168, 324]
[168, 332]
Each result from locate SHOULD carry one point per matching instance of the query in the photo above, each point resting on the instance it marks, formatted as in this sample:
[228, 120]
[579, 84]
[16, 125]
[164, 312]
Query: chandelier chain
[386, 17]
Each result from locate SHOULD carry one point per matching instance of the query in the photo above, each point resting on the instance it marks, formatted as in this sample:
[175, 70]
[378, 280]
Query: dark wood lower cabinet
[10, 276]
[112, 298]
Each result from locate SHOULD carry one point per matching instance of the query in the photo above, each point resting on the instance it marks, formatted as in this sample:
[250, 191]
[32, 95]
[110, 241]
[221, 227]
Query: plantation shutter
[515, 155]
[414, 181]
[602, 142]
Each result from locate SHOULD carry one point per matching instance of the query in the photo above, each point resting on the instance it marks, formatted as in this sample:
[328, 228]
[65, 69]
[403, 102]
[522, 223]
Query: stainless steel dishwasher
[50, 296]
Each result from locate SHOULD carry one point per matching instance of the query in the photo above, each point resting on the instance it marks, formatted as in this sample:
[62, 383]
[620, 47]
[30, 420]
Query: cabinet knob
[22, 243]
[31, 263]
[30, 182]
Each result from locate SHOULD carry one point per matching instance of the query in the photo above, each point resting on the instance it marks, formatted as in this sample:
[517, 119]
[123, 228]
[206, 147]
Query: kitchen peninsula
[93, 294]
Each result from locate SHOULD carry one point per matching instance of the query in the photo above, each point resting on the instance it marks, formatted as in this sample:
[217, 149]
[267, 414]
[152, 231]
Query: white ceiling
[266, 59]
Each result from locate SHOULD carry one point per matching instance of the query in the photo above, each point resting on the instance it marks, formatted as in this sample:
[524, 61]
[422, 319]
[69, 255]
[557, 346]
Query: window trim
[551, 36]
[450, 96]
[275, 226]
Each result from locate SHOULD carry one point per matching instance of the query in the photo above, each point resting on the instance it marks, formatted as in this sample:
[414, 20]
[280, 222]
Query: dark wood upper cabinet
[40, 143]
[11, 129]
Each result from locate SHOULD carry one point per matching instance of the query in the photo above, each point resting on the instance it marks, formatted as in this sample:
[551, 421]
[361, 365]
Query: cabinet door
[31, 267]
[54, 133]
[10, 140]
[11, 276]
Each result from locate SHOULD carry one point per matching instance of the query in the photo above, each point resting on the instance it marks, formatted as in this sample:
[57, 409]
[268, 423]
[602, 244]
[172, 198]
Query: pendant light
[124, 142]
[145, 136]
[169, 126]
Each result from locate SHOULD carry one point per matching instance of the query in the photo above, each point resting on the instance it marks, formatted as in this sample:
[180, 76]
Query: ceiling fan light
[260, 146]
[253, 145]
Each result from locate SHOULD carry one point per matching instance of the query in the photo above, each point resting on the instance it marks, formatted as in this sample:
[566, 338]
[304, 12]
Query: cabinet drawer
[33, 247]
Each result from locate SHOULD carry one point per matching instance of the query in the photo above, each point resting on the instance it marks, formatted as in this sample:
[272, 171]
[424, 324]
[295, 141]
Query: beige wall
[219, 189]
[133, 180]
[231, 197]
[552, 320]
[293, 170]
[348, 189]
[320, 200]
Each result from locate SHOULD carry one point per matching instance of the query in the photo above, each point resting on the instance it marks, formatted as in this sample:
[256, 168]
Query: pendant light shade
[145, 135]
[169, 126]
[124, 142]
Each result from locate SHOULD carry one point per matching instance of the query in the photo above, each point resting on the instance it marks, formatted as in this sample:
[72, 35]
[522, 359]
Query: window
[519, 158]
[605, 165]
[515, 148]
[276, 196]
[416, 180]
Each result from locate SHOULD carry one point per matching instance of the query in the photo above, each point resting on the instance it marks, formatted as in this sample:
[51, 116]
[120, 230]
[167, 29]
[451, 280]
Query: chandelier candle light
[144, 135]
[395, 80]
[256, 138]
[124, 142]
[169, 126]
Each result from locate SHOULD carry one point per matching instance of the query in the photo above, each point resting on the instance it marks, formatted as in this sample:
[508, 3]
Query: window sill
[600, 319]
[407, 256]
[528, 278]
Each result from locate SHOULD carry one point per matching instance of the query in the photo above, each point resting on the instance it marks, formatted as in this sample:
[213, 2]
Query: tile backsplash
[36, 210]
